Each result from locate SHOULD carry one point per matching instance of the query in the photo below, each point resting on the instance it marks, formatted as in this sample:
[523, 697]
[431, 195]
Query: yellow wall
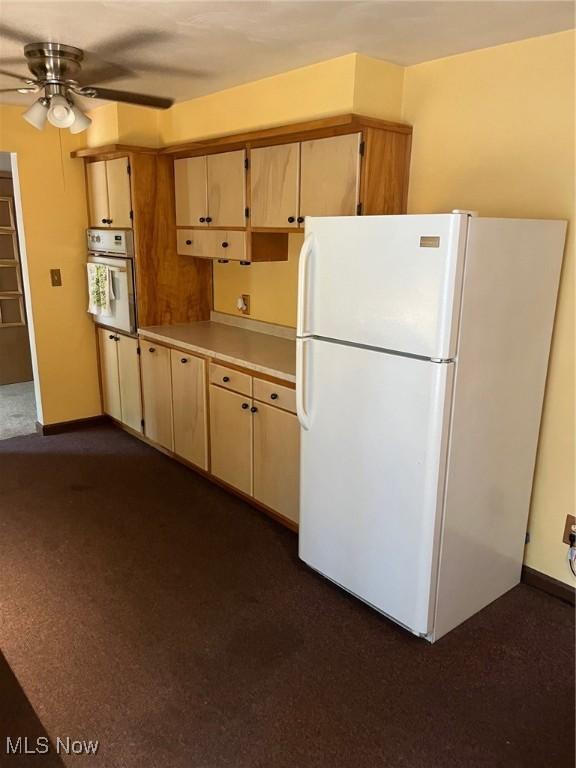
[54, 211]
[315, 91]
[123, 124]
[494, 132]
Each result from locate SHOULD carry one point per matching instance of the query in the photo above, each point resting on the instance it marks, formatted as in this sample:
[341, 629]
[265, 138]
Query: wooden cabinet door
[119, 197]
[156, 393]
[109, 375]
[329, 176]
[231, 438]
[226, 189]
[277, 460]
[189, 407]
[274, 183]
[129, 376]
[97, 194]
[191, 191]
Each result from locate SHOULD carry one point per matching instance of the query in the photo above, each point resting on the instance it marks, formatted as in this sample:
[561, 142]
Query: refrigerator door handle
[303, 417]
[305, 254]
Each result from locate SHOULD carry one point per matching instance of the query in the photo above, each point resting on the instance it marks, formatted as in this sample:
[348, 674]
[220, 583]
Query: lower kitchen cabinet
[276, 459]
[157, 393]
[189, 407]
[120, 378]
[231, 438]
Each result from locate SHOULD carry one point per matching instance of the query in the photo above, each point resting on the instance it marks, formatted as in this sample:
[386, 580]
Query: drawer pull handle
[188, 242]
[273, 396]
[151, 349]
[225, 378]
[253, 409]
[244, 405]
[183, 359]
[224, 244]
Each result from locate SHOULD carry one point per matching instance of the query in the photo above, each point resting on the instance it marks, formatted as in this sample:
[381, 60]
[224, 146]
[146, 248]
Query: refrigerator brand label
[429, 241]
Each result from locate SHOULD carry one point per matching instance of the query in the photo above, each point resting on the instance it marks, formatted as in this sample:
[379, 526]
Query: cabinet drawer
[196, 242]
[231, 379]
[230, 245]
[275, 394]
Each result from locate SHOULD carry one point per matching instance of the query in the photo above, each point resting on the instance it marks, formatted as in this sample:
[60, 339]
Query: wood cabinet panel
[277, 460]
[274, 184]
[191, 191]
[97, 194]
[189, 407]
[109, 374]
[119, 198]
[231, 438]
[227, 189]
[129, 379]
[157, 393]
[329, 176]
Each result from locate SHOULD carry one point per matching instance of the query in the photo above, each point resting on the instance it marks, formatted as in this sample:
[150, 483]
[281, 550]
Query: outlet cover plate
[569, 527]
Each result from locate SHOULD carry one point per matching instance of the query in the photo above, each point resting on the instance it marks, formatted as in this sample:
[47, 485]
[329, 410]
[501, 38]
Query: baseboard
[548, 584]
[71, 426]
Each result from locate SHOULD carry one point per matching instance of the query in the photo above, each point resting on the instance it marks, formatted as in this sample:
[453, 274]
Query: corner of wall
[378, 88]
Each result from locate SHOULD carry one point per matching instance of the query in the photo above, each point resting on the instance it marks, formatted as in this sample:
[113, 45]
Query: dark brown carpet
[144, 607]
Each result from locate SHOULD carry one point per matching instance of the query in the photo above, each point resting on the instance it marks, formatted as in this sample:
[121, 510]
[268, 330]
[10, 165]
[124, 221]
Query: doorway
[17, 397]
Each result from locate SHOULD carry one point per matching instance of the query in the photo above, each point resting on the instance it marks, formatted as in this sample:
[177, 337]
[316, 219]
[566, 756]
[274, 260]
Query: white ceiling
[187, 49]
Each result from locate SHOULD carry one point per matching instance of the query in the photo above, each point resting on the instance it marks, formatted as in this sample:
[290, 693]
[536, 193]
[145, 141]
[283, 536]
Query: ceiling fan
[56, 74]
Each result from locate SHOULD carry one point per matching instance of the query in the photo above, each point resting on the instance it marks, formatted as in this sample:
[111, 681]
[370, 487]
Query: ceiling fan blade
[16, 35]
[24, 79]
[141, 99]
[16, 90]
[128, 40]
[165, 69]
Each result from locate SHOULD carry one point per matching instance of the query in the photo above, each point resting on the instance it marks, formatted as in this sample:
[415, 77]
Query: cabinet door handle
[253, 409]
[244, 405]
[112, 337]
[188, 242]
[202, 219]
[273, 396]
[224, 244]
[151, 349]
[225, 378]
[104, 221]
[291, 219]
[208, 219]
[109, 221]
[300, 219]
[183, 359]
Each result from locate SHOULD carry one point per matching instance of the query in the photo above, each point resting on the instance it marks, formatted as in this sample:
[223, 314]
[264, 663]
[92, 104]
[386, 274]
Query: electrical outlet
[243, 304]
[569, 527]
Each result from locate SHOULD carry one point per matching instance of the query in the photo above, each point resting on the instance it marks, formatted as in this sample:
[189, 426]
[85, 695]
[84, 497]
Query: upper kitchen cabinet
[344, 165]
[109, 197]
[330, 176]
[275, 186]
[211, 190]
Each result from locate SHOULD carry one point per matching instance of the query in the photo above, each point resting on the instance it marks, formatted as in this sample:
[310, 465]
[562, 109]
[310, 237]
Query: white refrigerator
[422, 351]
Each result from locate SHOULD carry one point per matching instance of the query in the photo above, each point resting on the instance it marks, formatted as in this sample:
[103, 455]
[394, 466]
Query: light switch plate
[55, 278]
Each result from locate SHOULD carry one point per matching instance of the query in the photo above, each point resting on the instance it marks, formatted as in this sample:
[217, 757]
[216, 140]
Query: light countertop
[260, 352]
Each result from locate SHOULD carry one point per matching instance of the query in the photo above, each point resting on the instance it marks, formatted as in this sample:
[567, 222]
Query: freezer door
[373, 451]
[391, 282]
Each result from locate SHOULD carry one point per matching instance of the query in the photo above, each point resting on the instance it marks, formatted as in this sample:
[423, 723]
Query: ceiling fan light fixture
[60, 112]
[81, 121]
[37, 114]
